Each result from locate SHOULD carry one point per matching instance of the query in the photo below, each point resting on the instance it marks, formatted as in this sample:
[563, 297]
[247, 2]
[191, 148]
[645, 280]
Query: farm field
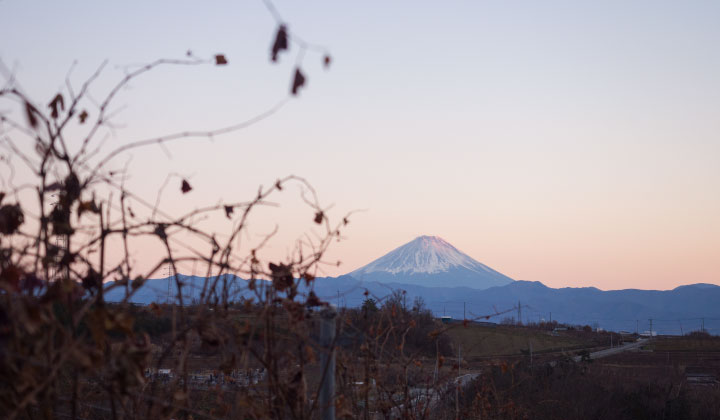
[670, 360]
[480, 341]
[669, 378]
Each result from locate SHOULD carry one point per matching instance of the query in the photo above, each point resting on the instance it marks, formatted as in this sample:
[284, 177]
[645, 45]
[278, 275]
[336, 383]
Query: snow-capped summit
[430, 261]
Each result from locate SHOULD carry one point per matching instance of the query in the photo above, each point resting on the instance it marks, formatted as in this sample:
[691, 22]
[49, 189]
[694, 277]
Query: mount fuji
[448, 280]
[430, 261]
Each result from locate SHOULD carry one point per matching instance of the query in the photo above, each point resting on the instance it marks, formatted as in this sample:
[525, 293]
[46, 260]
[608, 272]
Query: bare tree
[243, 346]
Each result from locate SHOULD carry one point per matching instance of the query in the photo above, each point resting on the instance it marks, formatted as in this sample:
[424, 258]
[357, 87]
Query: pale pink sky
[575, 143]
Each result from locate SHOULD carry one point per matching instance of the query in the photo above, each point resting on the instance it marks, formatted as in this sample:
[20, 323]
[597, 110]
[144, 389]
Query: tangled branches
[241, 340]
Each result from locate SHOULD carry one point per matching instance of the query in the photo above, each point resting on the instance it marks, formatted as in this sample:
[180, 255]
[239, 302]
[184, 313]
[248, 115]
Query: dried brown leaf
[280, 44]
[298, 81]
[87, 206]
[185, 187]
[30, 112]
[11, 217]
[56, 105]
[83, 116]
[281, 276]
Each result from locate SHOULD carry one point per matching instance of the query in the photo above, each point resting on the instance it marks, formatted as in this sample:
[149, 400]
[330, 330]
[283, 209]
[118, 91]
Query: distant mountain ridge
[675, 311]
[432, 262]
[165, 289]
[452, 283]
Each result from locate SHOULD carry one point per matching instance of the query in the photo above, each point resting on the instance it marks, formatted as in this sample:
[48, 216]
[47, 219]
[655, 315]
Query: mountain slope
[156, 290]
[432, 262]
[673, 311]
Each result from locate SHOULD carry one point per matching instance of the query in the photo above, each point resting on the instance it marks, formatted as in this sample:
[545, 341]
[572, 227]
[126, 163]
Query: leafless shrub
[243, 346]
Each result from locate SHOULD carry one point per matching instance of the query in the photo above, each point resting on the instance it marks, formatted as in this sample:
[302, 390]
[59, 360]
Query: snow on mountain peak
[426, 255]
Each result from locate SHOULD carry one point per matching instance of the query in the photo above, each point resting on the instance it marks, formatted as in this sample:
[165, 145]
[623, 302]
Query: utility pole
[519, 321]
[437, 363]
[651, 329]
[551, 317]
[457, 398]
[61, 242]
[169, 277]
[702, 326]
[327, 343]
[457, 388]
[459, 357]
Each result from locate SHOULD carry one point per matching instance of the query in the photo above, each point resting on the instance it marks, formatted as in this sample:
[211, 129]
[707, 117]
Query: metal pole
[457, 388]
[457, 399]
[519, 320]
[437, 362]
[459, 357]
[327, 343]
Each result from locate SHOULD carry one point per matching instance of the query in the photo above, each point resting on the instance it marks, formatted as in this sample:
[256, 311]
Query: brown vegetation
[638, 385]
[65, 352]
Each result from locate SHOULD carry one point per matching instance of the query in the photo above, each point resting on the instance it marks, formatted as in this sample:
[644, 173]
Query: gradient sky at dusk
[576, 143]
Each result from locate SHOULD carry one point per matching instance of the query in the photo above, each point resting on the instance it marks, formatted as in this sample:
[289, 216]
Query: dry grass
[711, 344]
[480, 341]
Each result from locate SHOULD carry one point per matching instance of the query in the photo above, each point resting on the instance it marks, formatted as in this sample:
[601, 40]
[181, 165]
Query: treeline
[398, 323]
